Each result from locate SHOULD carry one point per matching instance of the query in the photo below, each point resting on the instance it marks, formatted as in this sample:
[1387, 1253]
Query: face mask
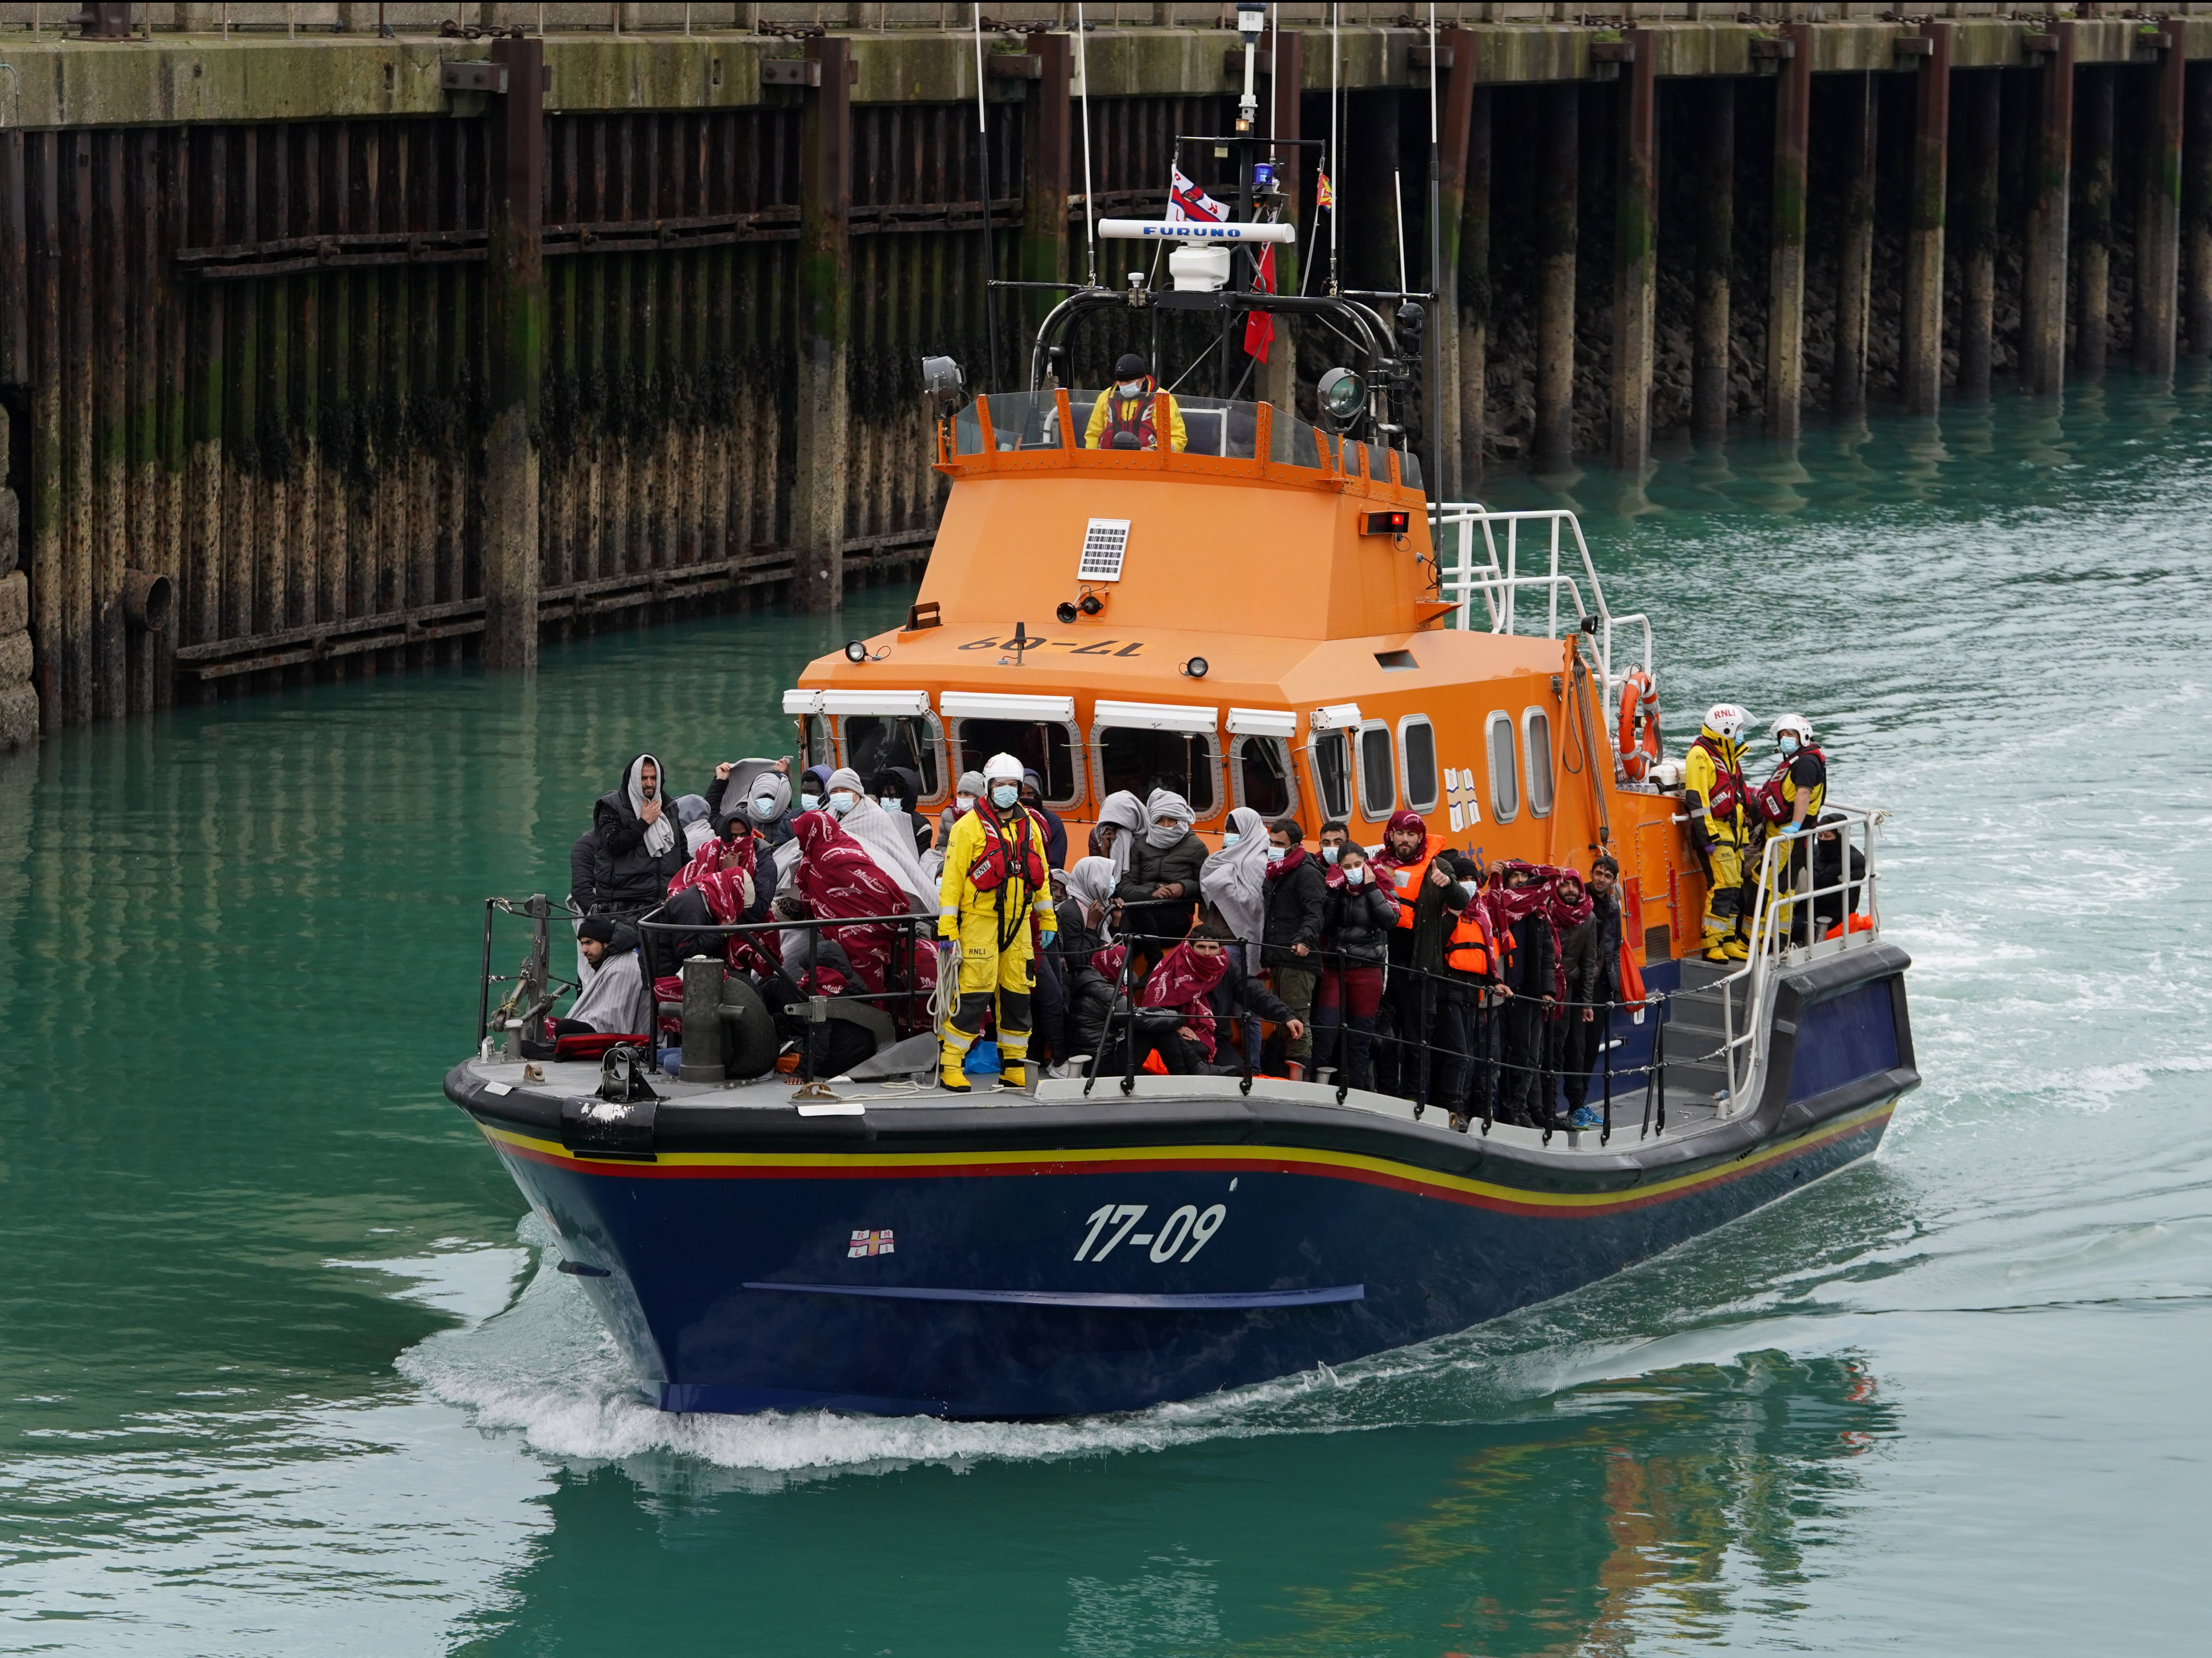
[1788, 744]
[965, 802]
[842, 801]
[1465, 890]
[763, 807]
[1329, 853]
[1276, 854]
[890, 802]
[1230, 837]
[1003, 796]
[809, 802]
[1130, 388]
[1355, 876]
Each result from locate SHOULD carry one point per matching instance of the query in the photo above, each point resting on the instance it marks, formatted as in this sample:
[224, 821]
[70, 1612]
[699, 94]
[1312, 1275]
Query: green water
[280, 1371]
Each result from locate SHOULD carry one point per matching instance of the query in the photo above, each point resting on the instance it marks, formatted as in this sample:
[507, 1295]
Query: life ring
[1639, 752]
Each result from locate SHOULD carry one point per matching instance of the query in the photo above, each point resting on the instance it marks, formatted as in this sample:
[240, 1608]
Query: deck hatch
[1105, 544]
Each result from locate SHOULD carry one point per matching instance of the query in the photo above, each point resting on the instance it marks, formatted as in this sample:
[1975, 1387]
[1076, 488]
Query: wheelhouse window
[1536, 746]
[1142, 761]
[1044, 746]
[1417, 754]
[1505, 773]
[1260, 768]
[1378, 784]
[814, 741]
[875, 742]
[1332, 764]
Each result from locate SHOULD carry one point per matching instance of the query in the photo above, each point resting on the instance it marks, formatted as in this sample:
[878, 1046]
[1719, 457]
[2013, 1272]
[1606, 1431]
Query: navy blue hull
[1364, 1266]
[1076, 1255]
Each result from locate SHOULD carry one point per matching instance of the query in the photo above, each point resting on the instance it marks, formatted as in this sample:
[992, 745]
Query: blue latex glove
[1048, 935]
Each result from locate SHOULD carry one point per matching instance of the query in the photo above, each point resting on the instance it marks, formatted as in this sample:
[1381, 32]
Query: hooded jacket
[1296, 894]
[636, 860]
[1356, 923]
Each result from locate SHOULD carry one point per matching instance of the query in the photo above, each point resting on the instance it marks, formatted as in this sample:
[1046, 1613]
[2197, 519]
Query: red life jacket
[997, 859]
[1141, 425]
[1729, 787]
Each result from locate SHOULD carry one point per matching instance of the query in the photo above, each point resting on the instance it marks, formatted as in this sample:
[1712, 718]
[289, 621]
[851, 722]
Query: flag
[866, 1242]
[1325, 196]
[1259, 326]
[1186, 200]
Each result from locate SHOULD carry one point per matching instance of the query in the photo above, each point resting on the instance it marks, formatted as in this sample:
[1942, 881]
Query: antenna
[1437, 323]
[1089, 202]
[990, 253]
[1335, 183]
[1398, 202]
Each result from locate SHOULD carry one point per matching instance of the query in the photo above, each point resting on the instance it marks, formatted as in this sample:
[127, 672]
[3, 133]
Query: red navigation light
[1384, 523]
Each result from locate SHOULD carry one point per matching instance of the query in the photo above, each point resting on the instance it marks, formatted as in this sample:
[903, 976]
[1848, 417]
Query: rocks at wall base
[19, 703]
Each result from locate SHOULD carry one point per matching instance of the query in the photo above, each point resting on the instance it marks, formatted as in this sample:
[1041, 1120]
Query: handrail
[1744, 992]
[1499, 581]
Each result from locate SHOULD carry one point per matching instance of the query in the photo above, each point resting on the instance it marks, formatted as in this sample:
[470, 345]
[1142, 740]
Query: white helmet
[1002, 768]
[1793, 722]
[1726, 720]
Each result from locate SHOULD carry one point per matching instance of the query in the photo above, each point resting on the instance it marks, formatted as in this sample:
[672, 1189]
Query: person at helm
[1713, 801]
[1122, 416]
[995, 878]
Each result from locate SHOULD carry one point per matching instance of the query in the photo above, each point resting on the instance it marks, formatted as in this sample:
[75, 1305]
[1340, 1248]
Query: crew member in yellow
[1126, 409]
[995, 878]
[1713, 800]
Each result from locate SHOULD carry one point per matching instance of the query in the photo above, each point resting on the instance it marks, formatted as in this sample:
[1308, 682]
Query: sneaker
[1586, 1117]
[1057, 1072]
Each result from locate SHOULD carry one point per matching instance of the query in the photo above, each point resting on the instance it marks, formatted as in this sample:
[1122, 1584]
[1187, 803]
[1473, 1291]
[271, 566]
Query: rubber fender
[748, 1032]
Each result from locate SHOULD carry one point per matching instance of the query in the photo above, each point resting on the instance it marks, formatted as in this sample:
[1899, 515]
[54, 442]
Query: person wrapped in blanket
[613, 999]
[1179, 1022]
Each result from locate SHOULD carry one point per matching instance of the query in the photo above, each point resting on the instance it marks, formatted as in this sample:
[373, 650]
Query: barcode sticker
[1104, 544]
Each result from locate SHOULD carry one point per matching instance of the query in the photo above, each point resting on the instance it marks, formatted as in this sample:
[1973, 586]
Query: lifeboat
[1272, 614]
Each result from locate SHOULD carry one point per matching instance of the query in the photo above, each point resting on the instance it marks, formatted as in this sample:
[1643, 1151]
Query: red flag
[1259, 325]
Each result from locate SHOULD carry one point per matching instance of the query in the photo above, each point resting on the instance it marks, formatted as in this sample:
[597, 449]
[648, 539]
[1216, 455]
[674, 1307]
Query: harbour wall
[326, 353]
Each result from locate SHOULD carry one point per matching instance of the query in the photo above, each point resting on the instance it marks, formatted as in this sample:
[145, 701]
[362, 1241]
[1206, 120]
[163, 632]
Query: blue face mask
[811, 802]
[1787, 744]
[1005, 795]
[1329, 852]
[1276, 854]
[1230, 837]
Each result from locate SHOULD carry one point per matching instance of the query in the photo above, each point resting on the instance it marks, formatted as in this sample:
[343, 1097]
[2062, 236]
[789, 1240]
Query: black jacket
[1356, 923]
[1153, 866]
[1531, 975]
[626, 876]
[583, 878]
[1604, 917]
[1295, 901]
[1578, 948]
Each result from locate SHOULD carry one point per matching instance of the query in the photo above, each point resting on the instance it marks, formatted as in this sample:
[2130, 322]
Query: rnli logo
[1459, 794]
[866, 1242]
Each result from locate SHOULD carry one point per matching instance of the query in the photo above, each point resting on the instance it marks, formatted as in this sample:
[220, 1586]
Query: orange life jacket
[1470, 949]
[1405, 881]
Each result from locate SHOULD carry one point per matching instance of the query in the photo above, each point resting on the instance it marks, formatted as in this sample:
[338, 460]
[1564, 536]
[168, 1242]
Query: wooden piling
[1920, 359]
[1636, 254]
[1785, 270]
[1455, 98]
[825, 275]
[1855, 251]
[49, 510]
[1048, 128]
[2197, 210]
[1709, 366]
[2158, 211]
[1559, 197]
[2092, 226]
[515, 312]
[1979, 110]
[2042, 291]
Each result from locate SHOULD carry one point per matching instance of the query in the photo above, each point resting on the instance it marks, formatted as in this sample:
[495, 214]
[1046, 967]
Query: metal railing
[1786, 931]
[1472, 565]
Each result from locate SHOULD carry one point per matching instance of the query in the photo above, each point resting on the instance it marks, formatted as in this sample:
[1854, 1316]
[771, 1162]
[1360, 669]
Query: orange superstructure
[1268, 630]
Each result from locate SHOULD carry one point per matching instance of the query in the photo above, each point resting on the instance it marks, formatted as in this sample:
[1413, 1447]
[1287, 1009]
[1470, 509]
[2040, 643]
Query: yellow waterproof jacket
[972, 839]
[1702, 775]
[1112, 405]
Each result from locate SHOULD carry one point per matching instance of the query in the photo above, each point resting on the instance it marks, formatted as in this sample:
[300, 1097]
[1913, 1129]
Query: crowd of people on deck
[1406, 968]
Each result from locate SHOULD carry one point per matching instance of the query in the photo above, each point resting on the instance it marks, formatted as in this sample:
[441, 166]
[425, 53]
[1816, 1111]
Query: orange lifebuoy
[1639, 751]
